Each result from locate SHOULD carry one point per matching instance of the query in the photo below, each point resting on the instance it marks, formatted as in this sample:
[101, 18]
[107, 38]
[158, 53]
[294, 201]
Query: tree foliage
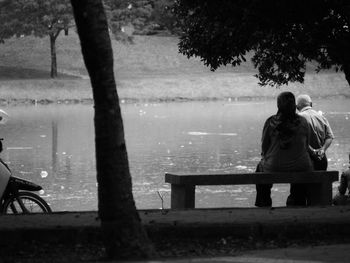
[283, 35]
[5, 31]
[164, 16]
[145, 17]
[36, 17]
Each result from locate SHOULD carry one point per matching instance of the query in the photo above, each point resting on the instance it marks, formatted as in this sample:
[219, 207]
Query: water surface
[53, 145]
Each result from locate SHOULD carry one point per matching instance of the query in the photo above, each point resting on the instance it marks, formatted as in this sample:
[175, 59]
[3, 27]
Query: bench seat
[183, 185]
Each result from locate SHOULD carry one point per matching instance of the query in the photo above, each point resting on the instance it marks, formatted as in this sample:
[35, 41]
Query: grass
[150, 70]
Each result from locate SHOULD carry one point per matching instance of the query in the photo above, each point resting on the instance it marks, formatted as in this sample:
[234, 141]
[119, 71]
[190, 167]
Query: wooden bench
[183, 185]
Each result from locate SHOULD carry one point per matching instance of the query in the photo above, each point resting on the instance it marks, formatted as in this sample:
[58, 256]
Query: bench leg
[182, 196]
[320, 194]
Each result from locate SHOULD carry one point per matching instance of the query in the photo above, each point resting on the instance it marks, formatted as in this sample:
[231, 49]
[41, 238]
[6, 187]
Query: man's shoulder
[311, 113]
[308, 110]
[305, 112]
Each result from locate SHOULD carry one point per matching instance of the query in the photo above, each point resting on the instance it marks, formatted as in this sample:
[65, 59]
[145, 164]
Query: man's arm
[322, 151]
[329, 138]
[327, 143]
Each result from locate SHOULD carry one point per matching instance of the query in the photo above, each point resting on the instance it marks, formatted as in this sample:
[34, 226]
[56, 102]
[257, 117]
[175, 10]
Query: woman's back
[289, 152]
[285, 144]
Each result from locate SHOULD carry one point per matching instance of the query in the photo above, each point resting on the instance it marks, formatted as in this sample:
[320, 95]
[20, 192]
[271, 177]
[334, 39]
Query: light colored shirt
[320, 130]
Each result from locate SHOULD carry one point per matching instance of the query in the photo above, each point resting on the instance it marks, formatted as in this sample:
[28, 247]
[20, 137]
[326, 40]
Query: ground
[167, 249]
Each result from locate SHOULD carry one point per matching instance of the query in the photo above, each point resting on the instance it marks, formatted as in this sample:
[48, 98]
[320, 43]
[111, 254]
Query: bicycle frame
[17, 189]
[13, 187]
[5, 175]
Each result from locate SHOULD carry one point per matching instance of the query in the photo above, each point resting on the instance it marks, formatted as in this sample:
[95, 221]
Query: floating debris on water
[44, 174]
[256, 159]
[241, 167]
[240, 198]
[19, 148]
[212, 133]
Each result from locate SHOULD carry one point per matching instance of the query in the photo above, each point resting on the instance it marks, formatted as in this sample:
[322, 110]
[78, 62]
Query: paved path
[318, 254]
[305, 222]
[245, 222]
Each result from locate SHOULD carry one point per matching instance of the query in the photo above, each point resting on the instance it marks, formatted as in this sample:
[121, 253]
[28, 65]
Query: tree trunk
[53, 55]
[124, 236]
[54, 145]
[346, 69]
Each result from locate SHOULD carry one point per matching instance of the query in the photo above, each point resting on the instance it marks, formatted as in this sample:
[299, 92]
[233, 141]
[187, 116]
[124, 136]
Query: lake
[53, 145]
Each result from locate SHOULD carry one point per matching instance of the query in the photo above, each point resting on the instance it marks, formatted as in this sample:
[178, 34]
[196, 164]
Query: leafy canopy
[34, 17]
[283, 34]
[144, 17]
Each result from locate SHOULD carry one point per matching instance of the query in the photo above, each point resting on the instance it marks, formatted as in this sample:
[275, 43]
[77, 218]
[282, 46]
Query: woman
[285, 141]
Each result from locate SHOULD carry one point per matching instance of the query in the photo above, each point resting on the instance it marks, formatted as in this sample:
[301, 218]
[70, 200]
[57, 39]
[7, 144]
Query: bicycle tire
[32, 202]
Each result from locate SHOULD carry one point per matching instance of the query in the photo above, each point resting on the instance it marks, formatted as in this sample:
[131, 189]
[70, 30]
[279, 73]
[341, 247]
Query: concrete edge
[81, 227]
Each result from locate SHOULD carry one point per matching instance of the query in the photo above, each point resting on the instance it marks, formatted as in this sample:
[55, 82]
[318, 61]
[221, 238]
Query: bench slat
[251, 178]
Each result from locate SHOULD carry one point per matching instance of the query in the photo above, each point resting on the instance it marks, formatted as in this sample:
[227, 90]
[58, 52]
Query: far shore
[150, 70]
[161, 89]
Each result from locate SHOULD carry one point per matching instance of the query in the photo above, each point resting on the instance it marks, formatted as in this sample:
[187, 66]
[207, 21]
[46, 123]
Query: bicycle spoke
[26, 202]
[13, 208]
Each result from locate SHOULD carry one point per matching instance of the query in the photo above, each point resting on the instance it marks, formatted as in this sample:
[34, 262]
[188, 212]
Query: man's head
[303, 101]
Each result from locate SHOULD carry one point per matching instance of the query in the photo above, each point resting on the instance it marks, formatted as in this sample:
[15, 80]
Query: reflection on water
[54, 146]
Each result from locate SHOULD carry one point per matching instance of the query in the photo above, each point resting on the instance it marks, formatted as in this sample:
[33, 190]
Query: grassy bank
[149, 70]
[222, 86]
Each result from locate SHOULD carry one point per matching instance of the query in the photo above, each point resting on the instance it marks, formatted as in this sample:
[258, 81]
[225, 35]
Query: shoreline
[43, 102]
[169, 88]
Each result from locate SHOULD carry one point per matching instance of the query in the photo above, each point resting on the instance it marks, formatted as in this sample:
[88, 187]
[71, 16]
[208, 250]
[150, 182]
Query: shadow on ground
[14, 73]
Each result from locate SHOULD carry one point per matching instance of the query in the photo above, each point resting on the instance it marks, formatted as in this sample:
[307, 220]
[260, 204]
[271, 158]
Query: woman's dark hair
[286, 105]
[287, 120]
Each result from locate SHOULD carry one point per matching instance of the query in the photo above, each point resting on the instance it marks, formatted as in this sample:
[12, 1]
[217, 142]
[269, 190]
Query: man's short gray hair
[303, 101]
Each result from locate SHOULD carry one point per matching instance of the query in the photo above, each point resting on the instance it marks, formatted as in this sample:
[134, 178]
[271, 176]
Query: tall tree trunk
[53, 55]
[346, 69]
[124, 236]
[54, 145]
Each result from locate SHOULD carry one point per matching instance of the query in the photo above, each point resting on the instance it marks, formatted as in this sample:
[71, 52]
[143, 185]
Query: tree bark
[53, 55]
[124, 236]
[346, 69]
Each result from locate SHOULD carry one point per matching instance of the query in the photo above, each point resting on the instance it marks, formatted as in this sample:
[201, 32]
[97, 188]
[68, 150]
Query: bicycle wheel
[32, 203]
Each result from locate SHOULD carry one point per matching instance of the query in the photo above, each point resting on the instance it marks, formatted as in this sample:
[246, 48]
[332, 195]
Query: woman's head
[286, 104]
[286, 121]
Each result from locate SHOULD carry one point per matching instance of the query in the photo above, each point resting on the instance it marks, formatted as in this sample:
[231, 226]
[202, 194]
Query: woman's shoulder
[271, 118]
[270, 121]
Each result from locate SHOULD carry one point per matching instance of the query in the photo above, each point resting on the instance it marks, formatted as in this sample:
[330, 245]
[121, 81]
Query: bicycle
[17, 195]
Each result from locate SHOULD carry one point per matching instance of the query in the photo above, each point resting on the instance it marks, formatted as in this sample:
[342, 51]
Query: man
[321, 135]
[320, 139]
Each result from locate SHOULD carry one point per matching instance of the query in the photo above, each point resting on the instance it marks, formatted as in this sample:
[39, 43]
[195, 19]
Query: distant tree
[124, 236]
[36, 17]
[164, 16]
[5, 32]
[283, 34]
[145, 17]
[133, 14]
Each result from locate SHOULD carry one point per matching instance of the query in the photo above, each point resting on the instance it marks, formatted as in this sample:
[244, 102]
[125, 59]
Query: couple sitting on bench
[293, 142]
